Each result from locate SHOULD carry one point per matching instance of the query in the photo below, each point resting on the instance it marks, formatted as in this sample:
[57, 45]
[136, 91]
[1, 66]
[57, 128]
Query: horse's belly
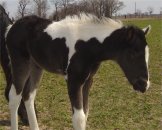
[50, 63]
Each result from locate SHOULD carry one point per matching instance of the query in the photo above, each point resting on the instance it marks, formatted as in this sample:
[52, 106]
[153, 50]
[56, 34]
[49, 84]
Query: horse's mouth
[141, 85]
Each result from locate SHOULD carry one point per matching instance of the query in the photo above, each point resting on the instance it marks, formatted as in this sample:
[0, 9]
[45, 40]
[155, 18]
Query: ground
[114, 105]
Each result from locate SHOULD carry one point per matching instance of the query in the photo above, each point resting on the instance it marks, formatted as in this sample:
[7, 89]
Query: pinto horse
[73, 47]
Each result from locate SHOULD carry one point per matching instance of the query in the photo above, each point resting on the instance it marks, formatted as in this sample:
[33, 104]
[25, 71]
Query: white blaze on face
[147, 60]
[147, 55]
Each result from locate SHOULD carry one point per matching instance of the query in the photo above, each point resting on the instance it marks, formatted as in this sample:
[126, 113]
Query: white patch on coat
[147, 60]
[83, 27]
[147, 55]
[79, 119]
[7, 30]
[14, 102]
[29, 104]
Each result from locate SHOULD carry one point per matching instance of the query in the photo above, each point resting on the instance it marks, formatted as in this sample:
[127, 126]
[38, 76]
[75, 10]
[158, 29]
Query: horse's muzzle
[141, 85]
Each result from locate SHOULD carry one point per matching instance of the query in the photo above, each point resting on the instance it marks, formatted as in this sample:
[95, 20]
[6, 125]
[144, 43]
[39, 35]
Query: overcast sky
[129, 6]
[141, 5]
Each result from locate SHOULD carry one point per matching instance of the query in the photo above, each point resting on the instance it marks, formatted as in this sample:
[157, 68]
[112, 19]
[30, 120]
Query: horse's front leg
[76, 97]
[86, 88]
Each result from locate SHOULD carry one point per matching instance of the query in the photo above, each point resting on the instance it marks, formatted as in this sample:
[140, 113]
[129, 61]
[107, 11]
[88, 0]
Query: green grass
[113, 102]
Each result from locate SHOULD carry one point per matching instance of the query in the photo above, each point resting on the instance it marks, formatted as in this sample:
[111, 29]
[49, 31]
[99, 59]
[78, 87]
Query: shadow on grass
[5, 123]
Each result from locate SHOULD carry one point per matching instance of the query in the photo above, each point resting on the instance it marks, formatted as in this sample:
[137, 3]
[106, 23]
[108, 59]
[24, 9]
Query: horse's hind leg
[23, 114]
[7, 71]
[29, 94]
[20, 73]
[14, 101]
[22, 110]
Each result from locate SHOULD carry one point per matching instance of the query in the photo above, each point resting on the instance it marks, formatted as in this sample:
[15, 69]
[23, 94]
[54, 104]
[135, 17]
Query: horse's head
[134, 58]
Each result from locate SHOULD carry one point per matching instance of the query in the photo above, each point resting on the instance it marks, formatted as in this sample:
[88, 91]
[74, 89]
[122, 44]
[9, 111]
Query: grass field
[114, 105]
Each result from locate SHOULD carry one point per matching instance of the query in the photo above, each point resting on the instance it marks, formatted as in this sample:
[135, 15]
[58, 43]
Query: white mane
[92, 19]
[82, 27]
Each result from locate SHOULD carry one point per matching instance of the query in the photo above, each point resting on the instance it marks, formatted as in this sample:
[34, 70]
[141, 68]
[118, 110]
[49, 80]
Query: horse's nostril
[140, 85]
[142, 82]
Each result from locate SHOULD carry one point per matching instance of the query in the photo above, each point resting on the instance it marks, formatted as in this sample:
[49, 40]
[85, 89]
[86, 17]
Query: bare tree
[65, 4]
[98, 7]
[112, 6]
[41, 7]
[57, 5]
[116, 6]
[45, 8]
[95, 7]
[84, 6]
[150, 10]
[3, 4]
[105, 7]
[22, 10]
[101, 7]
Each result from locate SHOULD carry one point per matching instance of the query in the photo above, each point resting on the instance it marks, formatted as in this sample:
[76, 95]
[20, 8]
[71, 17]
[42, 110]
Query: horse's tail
[4, 56]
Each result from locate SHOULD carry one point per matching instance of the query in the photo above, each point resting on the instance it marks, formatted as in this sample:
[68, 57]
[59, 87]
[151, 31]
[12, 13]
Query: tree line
[97, 7]
[62, 8]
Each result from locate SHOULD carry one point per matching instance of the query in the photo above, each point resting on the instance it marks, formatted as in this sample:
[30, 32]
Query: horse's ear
[147, 29]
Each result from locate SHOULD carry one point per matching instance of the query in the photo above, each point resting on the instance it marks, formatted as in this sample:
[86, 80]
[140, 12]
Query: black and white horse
[73, 47]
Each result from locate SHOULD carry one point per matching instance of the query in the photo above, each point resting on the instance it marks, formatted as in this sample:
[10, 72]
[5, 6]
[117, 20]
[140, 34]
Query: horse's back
[22, 32]
[27, 39]
[24, 29]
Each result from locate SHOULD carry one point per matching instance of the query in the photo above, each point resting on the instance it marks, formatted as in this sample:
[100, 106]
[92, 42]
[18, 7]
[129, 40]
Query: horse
[73, 47]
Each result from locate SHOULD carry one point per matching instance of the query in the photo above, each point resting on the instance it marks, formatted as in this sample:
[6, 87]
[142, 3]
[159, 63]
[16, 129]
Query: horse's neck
[85, 32]
[112, 47]
[100, 32]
